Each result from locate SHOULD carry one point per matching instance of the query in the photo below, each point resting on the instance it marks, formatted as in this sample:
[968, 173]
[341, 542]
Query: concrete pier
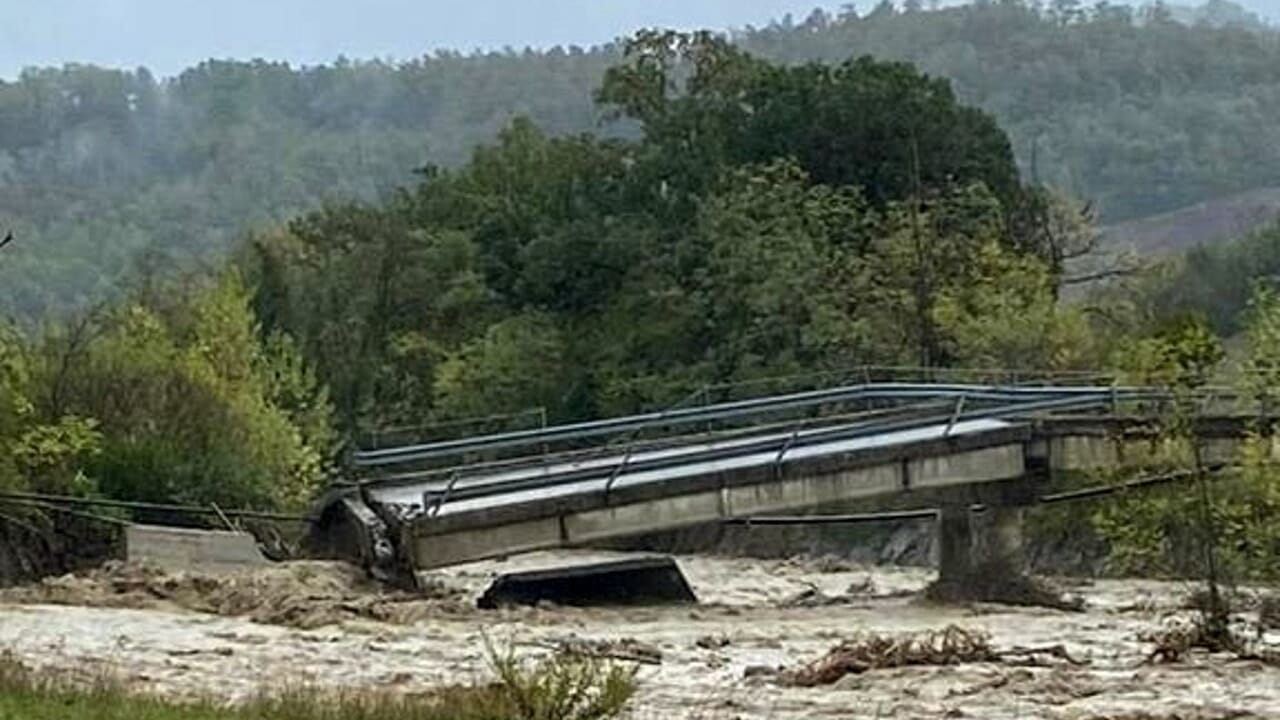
[981, 559]
[997, 540]
[955, 545]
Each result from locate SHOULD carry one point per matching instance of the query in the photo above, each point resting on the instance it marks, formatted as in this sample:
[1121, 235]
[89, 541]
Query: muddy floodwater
[754, 615]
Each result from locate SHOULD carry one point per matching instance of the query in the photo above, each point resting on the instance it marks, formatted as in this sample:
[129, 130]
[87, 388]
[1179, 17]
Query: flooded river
[715, 656]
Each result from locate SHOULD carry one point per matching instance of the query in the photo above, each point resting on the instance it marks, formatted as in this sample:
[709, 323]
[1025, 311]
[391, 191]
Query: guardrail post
[448, 490]
[617, 471]
[777, 459]
[955, 415]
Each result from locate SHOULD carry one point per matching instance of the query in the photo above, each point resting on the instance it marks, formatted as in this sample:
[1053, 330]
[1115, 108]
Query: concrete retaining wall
[194, 550]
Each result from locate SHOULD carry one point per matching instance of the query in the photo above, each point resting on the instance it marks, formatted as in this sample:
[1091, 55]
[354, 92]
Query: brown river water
[163, 647]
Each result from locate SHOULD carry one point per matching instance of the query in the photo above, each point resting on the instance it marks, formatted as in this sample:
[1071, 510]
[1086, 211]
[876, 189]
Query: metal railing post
[955, 415]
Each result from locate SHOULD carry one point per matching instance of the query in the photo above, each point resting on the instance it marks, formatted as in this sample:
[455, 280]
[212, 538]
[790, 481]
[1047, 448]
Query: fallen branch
[950, 646]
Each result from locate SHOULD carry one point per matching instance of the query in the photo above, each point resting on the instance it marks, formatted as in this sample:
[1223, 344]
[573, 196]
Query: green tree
[519, 363]
[186, 398]
[780, 269]
[1005, 316]
[880, 126]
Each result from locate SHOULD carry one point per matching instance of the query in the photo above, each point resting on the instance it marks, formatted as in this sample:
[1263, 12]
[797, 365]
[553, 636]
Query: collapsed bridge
[944, 446]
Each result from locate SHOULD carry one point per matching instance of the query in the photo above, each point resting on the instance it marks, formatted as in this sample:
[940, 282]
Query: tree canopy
[104, 172]
[726, 241]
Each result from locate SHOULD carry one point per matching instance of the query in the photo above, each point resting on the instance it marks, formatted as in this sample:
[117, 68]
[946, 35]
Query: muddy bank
[34, 545]
[718, 660]
[295, 594]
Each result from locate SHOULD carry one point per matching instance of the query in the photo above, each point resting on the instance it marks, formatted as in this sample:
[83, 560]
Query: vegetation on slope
[105, 171]
[759, 219]
[763, 222]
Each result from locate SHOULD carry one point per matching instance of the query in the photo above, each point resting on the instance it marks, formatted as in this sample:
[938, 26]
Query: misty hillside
[1204, 223]
[99, 168]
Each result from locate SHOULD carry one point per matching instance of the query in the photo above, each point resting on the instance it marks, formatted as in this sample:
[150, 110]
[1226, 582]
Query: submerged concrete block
[174, 548]
[638, 581]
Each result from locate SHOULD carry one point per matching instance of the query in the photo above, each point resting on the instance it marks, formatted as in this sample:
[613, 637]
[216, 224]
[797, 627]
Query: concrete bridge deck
[1005, 437]
[645, 501]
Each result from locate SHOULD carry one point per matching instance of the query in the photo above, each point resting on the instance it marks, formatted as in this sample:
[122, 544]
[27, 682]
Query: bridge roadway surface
[620, 471]
[936, 436]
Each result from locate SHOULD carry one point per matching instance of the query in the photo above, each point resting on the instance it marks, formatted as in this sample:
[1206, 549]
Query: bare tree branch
[1127, 271]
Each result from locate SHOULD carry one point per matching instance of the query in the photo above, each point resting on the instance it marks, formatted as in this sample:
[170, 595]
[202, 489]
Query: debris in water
[759, 671]
[812, 596]
[996, 584]
[712, 642]
[1180, 637]
[953, 645]
[870, 651]
[1232, 600]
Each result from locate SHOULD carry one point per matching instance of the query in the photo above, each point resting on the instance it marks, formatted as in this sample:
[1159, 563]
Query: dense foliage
[1213, 281]
[166, 396]
[104, 170]
[758, 227]
[758, 224]
[1227, 523]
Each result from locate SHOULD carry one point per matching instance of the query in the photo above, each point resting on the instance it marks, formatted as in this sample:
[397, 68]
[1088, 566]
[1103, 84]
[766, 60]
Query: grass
[560, 688]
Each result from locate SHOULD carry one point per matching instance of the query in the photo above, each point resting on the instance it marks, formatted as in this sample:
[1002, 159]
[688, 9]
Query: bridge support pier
[955, 546]
[998, 540]
[981, 559]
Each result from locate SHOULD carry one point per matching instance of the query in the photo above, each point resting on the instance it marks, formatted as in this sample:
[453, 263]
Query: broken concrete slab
[206, 551]
[636, 581]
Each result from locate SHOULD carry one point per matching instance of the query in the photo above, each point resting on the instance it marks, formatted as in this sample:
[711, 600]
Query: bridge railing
[642, 442]
[746, 412]
[778, 444]
[752, 404]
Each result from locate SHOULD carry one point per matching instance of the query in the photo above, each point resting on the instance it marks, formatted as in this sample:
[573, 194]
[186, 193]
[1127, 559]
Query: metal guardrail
[474, 467]
[777, 444]
[726, 411]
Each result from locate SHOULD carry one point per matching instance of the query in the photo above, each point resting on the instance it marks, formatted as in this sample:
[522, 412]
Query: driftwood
[952, 645]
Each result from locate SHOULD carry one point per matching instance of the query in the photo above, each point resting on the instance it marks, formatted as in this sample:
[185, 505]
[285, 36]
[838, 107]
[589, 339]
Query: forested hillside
[770, 220]
[759, 220]
[765, 220]
[106, 173]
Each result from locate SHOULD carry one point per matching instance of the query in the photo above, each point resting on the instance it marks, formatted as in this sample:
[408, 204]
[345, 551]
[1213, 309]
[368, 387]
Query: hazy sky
[169, 35]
